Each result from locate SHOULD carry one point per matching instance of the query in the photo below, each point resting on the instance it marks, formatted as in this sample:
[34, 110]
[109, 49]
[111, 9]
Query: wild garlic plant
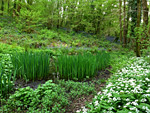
[127, 91]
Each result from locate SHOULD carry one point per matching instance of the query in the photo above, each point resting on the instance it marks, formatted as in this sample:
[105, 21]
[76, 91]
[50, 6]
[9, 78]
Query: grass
[79, 67]
[31, 65]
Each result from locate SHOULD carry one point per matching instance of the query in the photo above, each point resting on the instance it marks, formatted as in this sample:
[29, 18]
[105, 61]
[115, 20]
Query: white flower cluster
[127, 90]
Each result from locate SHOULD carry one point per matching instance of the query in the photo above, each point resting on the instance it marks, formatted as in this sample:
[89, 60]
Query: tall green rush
[32, 65]
[81, 66]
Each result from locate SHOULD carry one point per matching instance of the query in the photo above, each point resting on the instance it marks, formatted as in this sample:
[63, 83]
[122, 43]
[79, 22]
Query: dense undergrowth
[70, 63]
[32, 57]
[50, 97]
[126, 91]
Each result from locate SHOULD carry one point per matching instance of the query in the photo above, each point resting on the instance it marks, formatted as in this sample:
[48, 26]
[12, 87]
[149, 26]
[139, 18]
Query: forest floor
[77, 103]
[63, 43]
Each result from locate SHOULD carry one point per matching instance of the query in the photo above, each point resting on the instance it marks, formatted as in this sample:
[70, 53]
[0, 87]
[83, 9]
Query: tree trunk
[145, 12]
[58, 18]
[8, 5]
[14, 8]
[145, 20]
[2, 7]
[127, 26]
[120, 19]
[19, 7]
[124, 26]
[138, 25]
[133, 13]
[30, 2]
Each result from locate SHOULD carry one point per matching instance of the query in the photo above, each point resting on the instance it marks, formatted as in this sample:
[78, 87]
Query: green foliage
[28, 20]
[77, 89]
[6, 83]
[146, 54]
[81, 66]
[48, 34]
[52, 96]
[9, 49]
[118, 59]
[31, 65]
[90, 16]
[22, 99]
[6, 77]
[48, 97]
[7, 64]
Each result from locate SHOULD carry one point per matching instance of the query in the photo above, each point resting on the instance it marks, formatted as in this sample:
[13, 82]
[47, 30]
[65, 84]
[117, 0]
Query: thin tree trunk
[58, 8]
[19, 7]
[133, 13]
[124, 26]
[120, 19]
[128, 16]
[30, 2]
[138, 25]
[8, 5]
[145, 12]
[63, 16]
[14, 8]
[145, 20]
[2, 7]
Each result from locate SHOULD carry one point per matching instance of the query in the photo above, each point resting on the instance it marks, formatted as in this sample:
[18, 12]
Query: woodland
[74, 56]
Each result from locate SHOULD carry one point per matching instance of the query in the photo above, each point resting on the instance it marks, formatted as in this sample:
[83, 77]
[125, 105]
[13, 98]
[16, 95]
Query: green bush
[77, 89]
[52, 96]
[9, 49]
[28, 20]
[80, 66]
[23, 98]
[48, 34]
[48, 97]
[31, 65]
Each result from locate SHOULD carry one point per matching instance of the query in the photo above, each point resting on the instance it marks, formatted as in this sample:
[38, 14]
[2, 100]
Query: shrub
[28, 20]
[31, 65]
[77, 89]
[48, 97]
[48, 34]
[81, 66]
[52, 97]
[9, 49]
